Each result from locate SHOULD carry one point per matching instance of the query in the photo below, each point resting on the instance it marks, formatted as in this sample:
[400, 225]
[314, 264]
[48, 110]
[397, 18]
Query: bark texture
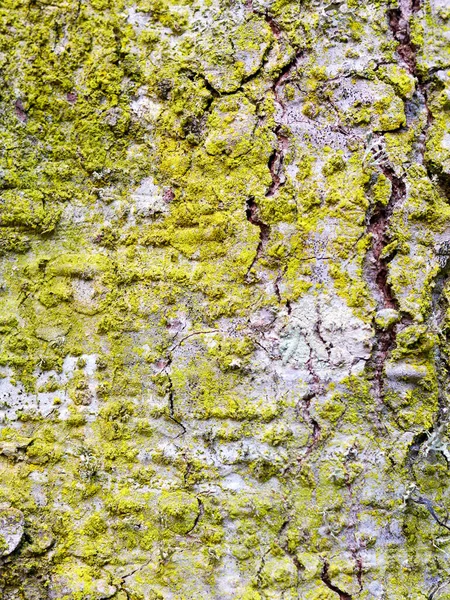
[224, 299]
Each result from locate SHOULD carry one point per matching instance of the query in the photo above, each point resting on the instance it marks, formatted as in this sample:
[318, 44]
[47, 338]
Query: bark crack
[429, 506]
[377, 268]
[172, 406]
[252, 214]
[171, 395]
[276, 160]
[200, 513]
[325, 576]
[378, 225]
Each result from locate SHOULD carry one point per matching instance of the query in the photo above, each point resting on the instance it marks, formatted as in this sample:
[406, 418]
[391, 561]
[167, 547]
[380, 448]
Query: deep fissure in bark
[171, 395]
[276, 159]
[275, 165]
[414, 449]
[353, 513]
[430, 507]
[276, 162]
[399, 23]
[384, 340]
[285, 546]
[303, 409]
[359, 570]
[316, 429]
[325, 576]
[252, 214]
[201, 511]
[378, 227]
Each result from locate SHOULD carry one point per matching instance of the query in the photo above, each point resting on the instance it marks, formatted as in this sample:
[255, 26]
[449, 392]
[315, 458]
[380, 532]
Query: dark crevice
[359, 571]
[240, 88]
[188, 469]
[316, 429]
[276, 159]
[399, 21]
[276, 163]
[378, 226]
[378, 272]
[261, 567]
[20, 111]
[429, 506]
[436, 589]
[200, 513]
[171, 415]
[317, 386]
[355, 548]
[276, 286]
[171, 400]
[399, 24]
[276, 30]
[252, 214]
[318, 331]
[414, 449]
[443, 179]
[285, 546]
[124, 577]
[377, 264]
[327, 581]
[378, 223]
[277, 289]
[302, 410]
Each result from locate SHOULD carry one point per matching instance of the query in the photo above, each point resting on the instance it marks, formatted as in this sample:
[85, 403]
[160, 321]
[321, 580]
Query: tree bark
[224, 299]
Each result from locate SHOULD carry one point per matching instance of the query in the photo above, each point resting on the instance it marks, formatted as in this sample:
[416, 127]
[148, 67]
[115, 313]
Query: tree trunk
[224, 300]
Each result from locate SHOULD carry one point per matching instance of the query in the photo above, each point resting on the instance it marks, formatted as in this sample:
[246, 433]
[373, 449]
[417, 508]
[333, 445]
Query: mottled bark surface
[224, 299]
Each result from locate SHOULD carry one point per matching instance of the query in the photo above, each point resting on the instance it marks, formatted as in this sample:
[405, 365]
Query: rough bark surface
[224, 299]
